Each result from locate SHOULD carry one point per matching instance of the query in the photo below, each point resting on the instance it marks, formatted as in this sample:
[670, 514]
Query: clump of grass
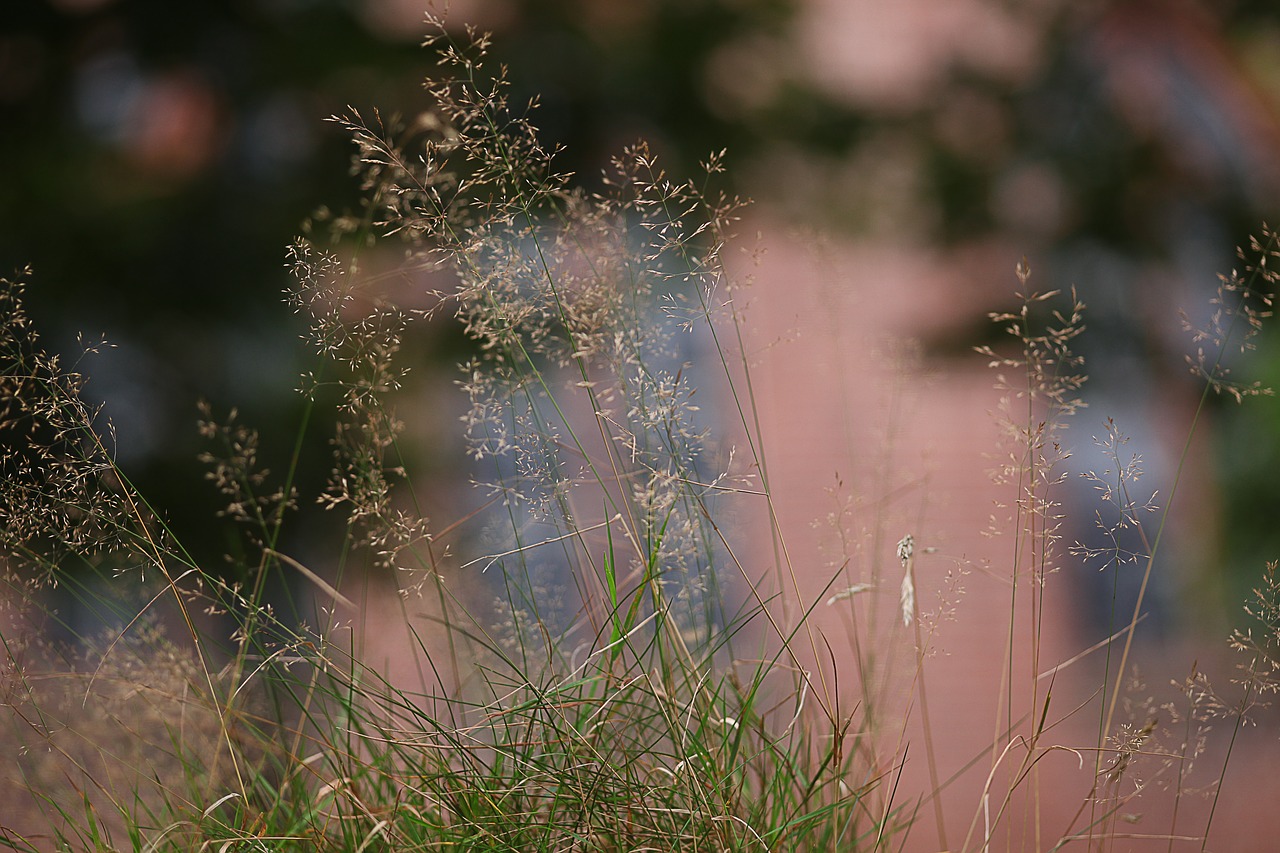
[622, 715]
[610, 662]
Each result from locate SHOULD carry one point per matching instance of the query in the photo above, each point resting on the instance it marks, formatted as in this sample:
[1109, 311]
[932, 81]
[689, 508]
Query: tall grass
[610, 645]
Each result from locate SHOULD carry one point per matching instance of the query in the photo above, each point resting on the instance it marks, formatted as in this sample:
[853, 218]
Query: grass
[611, 647]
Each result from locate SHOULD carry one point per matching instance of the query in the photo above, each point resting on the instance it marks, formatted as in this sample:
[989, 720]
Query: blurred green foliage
[161, 155]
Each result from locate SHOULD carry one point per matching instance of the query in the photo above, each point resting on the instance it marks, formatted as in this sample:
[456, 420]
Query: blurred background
[161, 156]
[903, 156]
